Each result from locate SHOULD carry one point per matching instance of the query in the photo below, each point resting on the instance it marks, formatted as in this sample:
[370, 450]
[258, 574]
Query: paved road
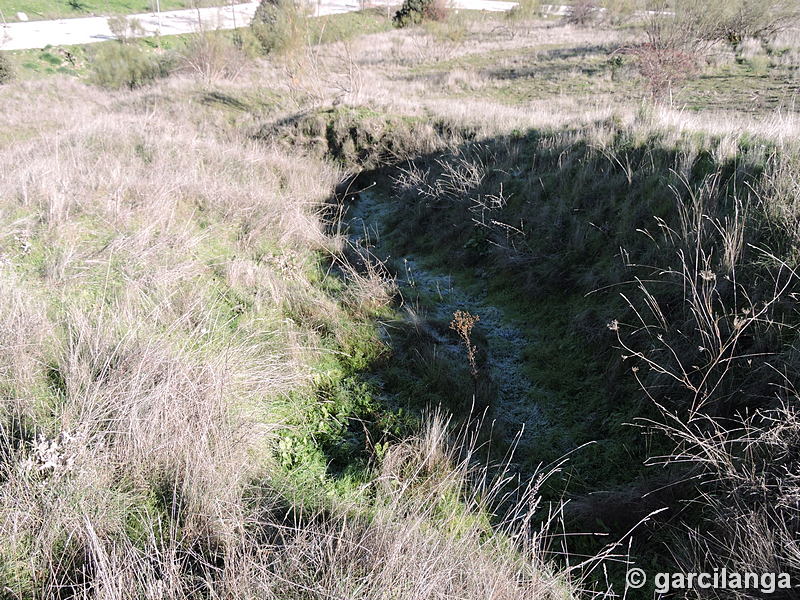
[38, 34]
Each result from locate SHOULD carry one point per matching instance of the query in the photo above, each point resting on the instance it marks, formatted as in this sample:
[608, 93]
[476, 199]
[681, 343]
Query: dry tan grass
[136, 423]
[428, 479]
[123, 230]
[390, 72]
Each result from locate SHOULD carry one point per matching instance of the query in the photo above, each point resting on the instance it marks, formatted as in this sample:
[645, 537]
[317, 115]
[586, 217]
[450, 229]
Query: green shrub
[6, 69]
[280, 25]
[124, 65]
[413, 12]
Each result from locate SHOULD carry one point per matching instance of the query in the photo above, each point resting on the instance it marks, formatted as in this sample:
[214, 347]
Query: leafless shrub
[125, 28]
[663, 67]
[212, 55]
[436, 10]
[733, 21]
[323, 73]
[697, 25]
[582, 12]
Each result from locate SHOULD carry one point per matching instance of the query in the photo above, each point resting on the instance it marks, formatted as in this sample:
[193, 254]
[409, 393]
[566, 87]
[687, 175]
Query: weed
[730, 438]
[212, 55]
[462, 324]
[127, 66]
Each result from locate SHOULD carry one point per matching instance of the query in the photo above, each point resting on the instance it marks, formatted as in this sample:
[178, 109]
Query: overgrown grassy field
[181, 361]
[433, 312]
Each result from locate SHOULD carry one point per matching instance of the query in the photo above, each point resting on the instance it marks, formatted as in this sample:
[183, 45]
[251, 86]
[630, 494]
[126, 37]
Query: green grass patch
[749, 86]
[339, 28]
[51, 60]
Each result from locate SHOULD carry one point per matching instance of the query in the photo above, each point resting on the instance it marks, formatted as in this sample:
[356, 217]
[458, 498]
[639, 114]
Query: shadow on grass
[550, 228]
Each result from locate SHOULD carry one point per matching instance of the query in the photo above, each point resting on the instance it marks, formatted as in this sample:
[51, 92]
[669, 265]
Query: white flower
[707, 275]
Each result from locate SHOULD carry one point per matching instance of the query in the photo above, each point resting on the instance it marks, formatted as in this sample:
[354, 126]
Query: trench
[429, 297]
